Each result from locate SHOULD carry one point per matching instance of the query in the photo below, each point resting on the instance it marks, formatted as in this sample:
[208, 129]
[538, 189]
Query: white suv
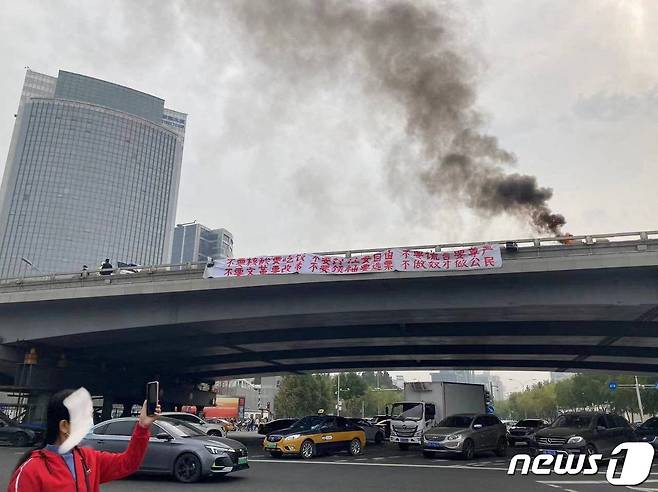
[198, 422]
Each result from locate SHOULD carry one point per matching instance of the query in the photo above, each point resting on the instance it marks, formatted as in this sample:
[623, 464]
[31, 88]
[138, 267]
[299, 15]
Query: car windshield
[573, 420]
[528, 423]
[308, 423]
[407, 411]
[459, 421]
[180, 428]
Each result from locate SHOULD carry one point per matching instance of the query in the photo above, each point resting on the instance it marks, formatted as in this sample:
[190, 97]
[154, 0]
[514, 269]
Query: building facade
[92, 173]
[196, 243]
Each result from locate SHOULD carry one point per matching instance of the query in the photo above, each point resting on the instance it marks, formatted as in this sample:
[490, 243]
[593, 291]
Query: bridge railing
[512, 249]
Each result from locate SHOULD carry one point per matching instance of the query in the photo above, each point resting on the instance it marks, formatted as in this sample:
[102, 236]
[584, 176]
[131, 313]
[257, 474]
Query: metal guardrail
[150, 273]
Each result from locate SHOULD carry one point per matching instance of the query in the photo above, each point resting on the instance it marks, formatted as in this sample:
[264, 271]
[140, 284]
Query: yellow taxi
[316, 434]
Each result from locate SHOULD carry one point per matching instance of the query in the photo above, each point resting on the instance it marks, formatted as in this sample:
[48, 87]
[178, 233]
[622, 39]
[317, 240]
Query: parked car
[384, 423]
[509, 423]
[523, 431]
[466, 434]
[204, 426]
[275, 425]
[175, 448]
[373, 433]
[15, 434]
[648, 431]
[314, 435]
[583, 432]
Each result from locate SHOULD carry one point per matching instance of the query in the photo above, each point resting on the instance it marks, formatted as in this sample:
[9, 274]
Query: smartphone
[152, 392]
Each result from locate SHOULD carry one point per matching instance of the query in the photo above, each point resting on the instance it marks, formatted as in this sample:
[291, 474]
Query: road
[380, 468]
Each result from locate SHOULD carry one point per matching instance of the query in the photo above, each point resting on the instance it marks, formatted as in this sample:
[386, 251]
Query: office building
[92, 173]
[196, 243]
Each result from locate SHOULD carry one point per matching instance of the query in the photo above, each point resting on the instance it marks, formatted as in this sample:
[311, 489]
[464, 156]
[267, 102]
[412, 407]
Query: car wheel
[501, 448]
[307, 449]
[379, 438]
[428, 454]
[355, 447]
[403, 447]
[468, 450]
[20, 439]
[187, 468]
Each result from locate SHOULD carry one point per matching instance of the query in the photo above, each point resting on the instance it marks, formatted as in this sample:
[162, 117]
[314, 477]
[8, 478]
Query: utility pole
[639, 399]
[338, 396]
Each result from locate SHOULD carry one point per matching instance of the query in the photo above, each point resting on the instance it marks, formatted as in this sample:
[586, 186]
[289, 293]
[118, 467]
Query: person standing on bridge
[106, 267]
[59, 465]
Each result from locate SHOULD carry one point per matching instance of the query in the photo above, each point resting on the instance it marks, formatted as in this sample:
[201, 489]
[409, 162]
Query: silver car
[466, 434]
[175, 448]
[204, 426]
[373, 433]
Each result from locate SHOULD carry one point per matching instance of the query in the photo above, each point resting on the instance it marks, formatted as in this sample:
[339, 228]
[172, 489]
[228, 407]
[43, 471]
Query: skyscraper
[92, 173]
[196, 243]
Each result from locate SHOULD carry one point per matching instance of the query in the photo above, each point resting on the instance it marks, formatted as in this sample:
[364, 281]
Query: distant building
[92, 173]
[196, 243]
[258, 396]
[556, 377]
[399, 381]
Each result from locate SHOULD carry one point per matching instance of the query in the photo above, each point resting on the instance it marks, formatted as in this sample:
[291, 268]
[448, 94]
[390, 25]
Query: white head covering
[81, 418]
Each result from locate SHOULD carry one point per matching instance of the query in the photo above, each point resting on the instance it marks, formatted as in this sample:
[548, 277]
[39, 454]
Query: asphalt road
[380, 468]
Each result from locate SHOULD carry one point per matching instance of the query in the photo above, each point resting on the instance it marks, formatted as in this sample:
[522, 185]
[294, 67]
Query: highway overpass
[591, 305]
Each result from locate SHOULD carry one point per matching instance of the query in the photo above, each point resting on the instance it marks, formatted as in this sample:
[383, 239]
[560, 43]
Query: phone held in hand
[152, 392]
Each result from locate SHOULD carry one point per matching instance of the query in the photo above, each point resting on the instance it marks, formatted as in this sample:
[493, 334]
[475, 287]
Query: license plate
[404, 439]
[270, 445]
[433, 445]
[243, 460]
[551, 452]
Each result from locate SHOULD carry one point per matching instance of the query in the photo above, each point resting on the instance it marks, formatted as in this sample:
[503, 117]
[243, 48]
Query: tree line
[365, 393]
[581, 392]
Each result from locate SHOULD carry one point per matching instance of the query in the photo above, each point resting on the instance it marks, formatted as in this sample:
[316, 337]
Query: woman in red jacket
[80, 469]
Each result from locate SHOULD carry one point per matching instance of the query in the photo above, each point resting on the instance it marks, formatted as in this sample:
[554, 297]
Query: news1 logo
[634, 470]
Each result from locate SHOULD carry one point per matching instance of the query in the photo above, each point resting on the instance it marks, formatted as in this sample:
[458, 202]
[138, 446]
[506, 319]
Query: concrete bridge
[591, 305]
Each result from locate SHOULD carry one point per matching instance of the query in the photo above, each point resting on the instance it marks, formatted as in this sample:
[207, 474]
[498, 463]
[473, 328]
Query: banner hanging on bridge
[390, 260]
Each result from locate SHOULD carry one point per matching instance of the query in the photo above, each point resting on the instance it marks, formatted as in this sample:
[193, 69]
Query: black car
[648, 431]
[275, 425]
[14, 433]
[583, 432]
[523, 431]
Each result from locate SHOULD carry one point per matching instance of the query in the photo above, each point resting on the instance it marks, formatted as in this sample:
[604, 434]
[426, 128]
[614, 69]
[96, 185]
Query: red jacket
[45, 471]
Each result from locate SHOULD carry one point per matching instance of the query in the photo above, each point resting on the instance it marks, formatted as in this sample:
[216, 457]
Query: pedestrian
[85, 271]
[59, 465]
[106, 267]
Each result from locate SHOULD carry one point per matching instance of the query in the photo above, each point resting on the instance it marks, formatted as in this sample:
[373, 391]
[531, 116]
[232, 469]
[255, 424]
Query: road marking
[398, 465]
[552, 485]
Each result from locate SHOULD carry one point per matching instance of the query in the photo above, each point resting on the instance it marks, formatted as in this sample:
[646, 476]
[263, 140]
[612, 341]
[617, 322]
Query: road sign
[613, 385]
[491, 409]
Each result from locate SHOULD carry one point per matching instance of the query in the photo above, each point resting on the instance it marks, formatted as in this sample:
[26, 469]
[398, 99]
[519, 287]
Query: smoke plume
[409, 52]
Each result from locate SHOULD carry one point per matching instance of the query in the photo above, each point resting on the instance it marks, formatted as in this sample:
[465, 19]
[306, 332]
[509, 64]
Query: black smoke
[410, 52]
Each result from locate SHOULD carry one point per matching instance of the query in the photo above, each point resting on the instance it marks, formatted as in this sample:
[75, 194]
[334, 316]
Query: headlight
[454, 437]
[292, 437]
[575, 440]
[215, 449]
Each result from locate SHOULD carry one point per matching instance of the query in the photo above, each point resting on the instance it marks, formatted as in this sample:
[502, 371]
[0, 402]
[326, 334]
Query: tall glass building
[92, 173]
[196, 243]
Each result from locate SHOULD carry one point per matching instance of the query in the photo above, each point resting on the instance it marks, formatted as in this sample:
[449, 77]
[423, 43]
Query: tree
[301, 395]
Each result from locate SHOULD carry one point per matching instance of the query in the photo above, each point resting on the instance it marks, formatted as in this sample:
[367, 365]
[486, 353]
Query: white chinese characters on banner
[402, 260]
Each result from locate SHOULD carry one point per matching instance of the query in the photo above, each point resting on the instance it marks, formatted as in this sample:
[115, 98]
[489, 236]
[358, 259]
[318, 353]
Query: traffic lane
[293, 476]
[342, 472]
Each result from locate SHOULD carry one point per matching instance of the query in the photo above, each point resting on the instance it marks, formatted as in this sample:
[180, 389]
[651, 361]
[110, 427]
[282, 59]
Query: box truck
[426, 404]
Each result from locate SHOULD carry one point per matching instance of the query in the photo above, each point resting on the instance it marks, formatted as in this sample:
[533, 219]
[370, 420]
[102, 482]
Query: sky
[293, 161]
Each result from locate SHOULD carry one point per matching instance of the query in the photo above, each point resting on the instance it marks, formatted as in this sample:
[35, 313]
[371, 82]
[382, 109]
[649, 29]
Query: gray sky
[570, 87]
